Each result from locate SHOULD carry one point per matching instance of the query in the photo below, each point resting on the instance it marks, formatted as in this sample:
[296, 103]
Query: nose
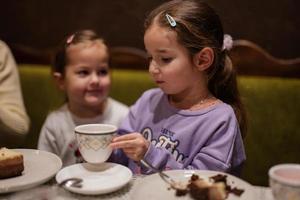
[95, 79]
[153, 68]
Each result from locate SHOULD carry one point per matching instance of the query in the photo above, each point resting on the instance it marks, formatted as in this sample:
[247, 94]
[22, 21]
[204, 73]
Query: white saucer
[97, 179]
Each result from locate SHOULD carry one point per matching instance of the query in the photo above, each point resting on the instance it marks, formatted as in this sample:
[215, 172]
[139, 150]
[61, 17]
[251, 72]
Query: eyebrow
[163, 50]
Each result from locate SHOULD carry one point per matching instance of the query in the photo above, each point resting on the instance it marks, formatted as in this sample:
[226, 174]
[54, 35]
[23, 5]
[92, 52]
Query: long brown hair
[198, 26]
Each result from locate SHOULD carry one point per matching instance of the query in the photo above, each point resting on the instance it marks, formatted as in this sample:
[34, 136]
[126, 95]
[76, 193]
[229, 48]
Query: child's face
[170, 64]
[87, 80]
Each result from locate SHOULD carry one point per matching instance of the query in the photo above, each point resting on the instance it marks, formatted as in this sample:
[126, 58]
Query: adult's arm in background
[13, 117]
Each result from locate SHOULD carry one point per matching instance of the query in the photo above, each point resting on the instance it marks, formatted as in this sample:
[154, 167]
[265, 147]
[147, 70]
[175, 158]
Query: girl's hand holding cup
[134, 145]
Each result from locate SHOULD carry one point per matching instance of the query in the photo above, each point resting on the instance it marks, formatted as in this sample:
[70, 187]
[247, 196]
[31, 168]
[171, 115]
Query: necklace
[206, 101]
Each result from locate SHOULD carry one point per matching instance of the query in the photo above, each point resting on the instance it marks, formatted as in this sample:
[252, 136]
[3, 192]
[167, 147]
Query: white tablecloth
[263, 193]
[50, 191]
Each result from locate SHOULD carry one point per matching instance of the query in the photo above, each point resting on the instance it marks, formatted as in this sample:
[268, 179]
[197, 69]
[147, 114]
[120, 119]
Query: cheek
[76, 83]
[75, 89]
[106, 83]
[172, 73]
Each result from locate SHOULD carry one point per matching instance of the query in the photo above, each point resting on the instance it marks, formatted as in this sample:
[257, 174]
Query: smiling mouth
[95, 91]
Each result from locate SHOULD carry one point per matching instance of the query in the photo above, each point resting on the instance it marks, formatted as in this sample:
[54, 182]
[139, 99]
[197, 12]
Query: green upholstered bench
[273, 118]
[272, 104]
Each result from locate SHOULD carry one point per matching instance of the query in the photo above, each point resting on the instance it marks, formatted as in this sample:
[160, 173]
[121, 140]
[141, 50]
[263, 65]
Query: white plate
[153, 187]
[97, 179]
[39, 167]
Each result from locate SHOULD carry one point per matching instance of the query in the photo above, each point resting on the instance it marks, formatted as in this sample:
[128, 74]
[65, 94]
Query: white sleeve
[13, 116]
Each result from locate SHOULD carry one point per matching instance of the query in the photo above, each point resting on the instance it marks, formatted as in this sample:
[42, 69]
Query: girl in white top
[81, 70]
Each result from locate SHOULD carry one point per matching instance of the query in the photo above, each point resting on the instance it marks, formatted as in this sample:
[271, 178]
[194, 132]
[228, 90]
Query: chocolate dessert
[215, 189]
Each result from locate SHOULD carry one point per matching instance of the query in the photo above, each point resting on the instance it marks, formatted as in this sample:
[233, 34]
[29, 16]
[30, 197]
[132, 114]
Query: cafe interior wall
[272, 24]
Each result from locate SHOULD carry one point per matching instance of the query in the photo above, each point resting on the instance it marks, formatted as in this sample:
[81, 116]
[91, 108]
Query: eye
[166, 60]
[83, 72]
[103, 72]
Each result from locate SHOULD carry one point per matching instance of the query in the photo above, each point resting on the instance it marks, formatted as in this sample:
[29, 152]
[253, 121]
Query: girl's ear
[204, 58]
[59, 80]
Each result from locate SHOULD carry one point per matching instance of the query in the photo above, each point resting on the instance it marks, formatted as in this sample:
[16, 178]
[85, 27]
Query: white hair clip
[70, 38]
[227, 42]
[171, 20]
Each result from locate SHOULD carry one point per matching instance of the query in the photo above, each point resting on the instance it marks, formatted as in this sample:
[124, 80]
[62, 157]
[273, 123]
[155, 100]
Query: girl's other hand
[134, 145]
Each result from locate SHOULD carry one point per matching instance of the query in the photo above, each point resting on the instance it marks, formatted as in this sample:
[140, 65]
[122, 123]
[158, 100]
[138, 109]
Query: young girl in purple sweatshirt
[194, 119]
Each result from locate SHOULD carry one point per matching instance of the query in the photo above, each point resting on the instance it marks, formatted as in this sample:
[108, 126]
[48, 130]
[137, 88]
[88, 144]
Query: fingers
[129, 136]
[136, 154]
[129, 150]
[127, 141]
[123, 144]
[134, 145]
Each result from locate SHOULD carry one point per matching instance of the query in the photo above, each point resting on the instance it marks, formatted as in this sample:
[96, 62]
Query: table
[50, 191]
[263, 193]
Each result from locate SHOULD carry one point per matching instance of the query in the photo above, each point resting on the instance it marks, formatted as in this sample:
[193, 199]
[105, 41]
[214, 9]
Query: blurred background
[272, 24]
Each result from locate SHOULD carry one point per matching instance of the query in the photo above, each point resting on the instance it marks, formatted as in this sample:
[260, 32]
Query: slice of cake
[216, 188]
[205, 190]
[11, 163]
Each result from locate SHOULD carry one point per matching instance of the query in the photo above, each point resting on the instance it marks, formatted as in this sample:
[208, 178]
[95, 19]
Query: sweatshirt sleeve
[216, 155]
[13, 116]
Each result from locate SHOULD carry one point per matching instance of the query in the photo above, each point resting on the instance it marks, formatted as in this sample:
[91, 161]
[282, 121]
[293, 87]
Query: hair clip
[227, 42]
[70, 39]
[171, 20]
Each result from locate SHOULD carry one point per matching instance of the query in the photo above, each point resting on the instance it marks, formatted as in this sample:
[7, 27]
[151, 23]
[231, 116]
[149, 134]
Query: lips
[94, 91]
[159, 82]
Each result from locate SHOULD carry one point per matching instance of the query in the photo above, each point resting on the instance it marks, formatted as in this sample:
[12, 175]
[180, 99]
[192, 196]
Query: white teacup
[93, 141]
[284, 180]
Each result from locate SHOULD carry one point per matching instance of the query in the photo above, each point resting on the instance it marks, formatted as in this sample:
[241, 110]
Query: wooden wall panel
[274, 25]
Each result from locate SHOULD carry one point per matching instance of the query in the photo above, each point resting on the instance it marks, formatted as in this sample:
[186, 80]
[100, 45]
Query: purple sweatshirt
[206, 139]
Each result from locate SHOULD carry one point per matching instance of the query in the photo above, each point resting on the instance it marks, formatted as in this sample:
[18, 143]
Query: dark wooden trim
[251, 59]
[247, 57]
[29, 55]
[128, 58]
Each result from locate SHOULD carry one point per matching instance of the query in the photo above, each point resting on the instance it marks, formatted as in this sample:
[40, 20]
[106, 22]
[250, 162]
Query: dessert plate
[97, 178]
[39, 167]
[153, 187]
